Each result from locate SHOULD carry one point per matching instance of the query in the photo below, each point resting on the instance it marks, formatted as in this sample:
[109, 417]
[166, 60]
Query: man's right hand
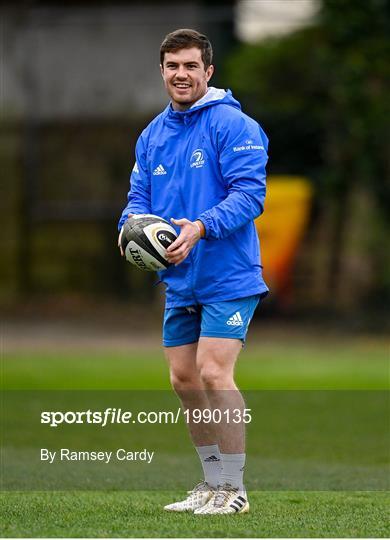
[120, 238]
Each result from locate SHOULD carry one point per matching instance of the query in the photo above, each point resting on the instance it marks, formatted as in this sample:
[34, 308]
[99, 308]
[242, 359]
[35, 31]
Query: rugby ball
[144, 239]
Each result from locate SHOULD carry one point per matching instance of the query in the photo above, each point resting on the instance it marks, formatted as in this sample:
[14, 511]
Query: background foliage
[321, 95]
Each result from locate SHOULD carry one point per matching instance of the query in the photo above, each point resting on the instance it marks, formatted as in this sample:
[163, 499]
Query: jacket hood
[213, 96]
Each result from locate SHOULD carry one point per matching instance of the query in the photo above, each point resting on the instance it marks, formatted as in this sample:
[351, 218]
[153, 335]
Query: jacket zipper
[191, 267]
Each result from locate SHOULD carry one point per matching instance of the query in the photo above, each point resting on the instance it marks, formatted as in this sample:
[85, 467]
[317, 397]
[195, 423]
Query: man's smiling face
[185, 77]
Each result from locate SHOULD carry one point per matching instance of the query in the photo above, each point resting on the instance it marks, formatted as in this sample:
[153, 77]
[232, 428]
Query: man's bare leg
[189, 387]
[216, 358]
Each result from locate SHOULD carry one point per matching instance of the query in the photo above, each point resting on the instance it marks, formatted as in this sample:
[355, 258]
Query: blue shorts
[229, 319]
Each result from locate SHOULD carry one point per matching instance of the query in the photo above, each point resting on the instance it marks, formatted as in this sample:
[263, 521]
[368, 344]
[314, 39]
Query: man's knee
[215, 362]
[182, 367]
[214, 374]
[213, 377]
[184, 381]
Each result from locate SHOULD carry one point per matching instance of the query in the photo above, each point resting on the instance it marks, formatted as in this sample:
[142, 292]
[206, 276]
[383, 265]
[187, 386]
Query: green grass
[280, 364]
[140, 514]
[357, 364]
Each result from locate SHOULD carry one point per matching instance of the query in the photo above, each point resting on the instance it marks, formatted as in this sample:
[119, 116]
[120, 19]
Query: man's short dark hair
[185, 38]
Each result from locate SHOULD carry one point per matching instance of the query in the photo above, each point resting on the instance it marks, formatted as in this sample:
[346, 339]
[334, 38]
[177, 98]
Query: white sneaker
[197, 498]
[226, 500]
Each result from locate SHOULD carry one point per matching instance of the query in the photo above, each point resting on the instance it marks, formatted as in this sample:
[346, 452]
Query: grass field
[280, 365]
[138, 514]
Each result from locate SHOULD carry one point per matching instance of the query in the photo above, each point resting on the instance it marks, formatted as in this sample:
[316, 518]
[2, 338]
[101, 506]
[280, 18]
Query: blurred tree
[321, 94]
[217, 18]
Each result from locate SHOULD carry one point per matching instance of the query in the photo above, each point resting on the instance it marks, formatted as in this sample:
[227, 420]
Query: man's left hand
[190, 234]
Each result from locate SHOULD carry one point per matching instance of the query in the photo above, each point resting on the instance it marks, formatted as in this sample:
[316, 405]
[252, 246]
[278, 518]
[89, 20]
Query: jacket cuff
[207, 223]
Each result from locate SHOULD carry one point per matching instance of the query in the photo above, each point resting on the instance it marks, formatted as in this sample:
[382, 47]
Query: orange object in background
[281, 228]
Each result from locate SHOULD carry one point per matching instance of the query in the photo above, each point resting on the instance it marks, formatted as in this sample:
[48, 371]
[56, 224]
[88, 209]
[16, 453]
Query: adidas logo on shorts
[235, 320]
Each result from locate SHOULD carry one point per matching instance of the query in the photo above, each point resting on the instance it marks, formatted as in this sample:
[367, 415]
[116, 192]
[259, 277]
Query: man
[201, 163]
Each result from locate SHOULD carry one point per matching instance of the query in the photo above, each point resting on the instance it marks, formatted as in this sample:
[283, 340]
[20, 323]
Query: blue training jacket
[205, 163]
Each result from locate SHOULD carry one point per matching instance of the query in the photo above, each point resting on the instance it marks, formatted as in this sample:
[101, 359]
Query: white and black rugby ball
[144, 239]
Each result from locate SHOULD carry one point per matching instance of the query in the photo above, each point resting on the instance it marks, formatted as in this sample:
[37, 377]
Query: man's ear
[162, 70]
[209, 72]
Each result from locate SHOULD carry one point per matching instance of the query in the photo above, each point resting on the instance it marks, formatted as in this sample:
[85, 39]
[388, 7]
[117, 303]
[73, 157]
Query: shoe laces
[222, 495]
[201, 486]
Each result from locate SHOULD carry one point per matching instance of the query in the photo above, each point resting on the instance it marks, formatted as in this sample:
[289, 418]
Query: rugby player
[201, 164]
